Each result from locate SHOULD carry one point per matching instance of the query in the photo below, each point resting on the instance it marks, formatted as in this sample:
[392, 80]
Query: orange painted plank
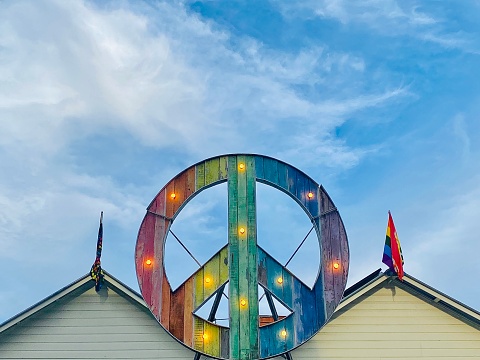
[180, 186]
[187, 313]
[176, 313]
[190, 183]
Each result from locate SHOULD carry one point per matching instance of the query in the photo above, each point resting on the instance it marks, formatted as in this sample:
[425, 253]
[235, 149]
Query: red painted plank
[170, 205]
[166, 293]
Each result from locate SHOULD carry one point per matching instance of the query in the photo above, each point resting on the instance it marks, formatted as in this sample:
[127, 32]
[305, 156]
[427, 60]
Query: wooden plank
[292, 180]
[301, 189]
[223, 266]
[145, 242]
[326, 259]
[170, 202]
[199, 288]
[165, 311]
[244, 314]
[223, 167]
[224, 343]
[180, 190]
[212, 171]
[190, 182]
[344, 252]
[156, 267]
[188, 313]
[177, 309]
[313, 204]
[259, 167]
[211, 276]
[212, 342]
[339, 285]
[200, 178]
[282, 175]
[270, 170]
[233, 256]
[198, 331]
[252, 283]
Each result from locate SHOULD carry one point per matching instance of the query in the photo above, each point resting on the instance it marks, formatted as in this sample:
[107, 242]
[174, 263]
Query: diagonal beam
[299, 246]
[216, 302]
[188, 251]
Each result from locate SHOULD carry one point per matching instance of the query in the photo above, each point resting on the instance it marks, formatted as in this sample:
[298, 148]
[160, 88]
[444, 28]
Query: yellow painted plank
[200, 177]
[212, 341]
[212, 171]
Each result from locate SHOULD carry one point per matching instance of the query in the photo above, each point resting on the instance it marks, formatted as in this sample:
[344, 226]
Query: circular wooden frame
[311, 308]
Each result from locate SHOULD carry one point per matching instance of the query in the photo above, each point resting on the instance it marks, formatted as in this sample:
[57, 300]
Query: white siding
[392, 325]
[90, 325]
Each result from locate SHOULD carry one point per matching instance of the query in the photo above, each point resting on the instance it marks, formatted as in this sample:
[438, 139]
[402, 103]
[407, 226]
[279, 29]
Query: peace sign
[242, 263]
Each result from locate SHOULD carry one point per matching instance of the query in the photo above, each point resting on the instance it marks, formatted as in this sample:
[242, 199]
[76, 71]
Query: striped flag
[392, 252]
[96, 271]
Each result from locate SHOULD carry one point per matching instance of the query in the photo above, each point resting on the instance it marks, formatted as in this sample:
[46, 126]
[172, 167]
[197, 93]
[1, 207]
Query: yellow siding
[389, 325]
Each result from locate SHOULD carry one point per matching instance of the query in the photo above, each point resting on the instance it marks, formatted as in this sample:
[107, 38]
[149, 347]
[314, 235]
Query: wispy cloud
[388, 18]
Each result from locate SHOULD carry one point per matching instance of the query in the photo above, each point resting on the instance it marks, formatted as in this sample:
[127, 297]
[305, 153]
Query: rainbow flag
[392, 252]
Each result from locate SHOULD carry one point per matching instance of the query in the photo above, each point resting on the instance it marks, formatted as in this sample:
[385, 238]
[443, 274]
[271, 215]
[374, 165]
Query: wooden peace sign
[242, 263]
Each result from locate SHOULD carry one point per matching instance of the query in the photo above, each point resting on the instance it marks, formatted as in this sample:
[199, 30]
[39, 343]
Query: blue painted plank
[292, 180]
[259, 167]
[282, 175]
[270, 170]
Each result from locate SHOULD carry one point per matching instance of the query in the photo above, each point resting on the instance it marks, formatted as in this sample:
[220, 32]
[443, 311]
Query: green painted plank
[233, 256]
[244, 313]
[223, 167]
[252, 282]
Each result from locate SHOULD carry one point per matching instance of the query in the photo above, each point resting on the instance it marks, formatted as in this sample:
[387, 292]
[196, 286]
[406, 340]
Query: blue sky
[101, 104]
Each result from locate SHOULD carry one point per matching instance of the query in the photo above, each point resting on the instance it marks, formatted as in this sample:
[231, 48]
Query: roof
[85, 280]
[414, 286]
[368, 284]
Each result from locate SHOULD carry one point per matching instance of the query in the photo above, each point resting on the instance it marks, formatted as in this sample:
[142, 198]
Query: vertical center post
[242, 239]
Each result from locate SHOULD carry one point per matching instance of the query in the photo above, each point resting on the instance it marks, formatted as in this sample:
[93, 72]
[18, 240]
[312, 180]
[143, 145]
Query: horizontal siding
[392, 325]
[90, 325]
[109, 325]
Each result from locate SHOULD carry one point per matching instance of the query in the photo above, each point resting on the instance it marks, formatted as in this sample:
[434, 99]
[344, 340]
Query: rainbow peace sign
[242, 263]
